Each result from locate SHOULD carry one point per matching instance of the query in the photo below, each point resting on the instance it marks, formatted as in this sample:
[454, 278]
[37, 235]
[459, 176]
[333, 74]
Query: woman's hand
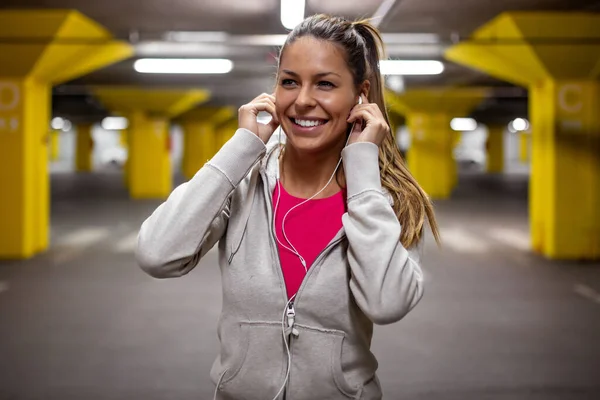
[248, 112]
[375, 127]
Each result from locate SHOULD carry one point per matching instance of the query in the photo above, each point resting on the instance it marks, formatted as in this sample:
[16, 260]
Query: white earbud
[360, 100]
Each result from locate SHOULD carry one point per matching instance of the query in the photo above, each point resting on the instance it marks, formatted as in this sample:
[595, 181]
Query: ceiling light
[186, 36]
[183, 65]
[292, 12]
[410, 38]
[519, 125]
[115, 123]
[411, 67]
[463, 124]
[57, 123]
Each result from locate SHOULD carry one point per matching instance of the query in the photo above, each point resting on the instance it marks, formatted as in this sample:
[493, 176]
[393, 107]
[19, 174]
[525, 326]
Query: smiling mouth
[308, 123]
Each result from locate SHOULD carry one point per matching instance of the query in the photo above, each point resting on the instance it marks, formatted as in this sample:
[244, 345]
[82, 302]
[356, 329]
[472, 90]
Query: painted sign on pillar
[10, 100]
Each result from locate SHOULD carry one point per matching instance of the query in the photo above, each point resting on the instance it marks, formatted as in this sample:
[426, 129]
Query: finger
[362, 112]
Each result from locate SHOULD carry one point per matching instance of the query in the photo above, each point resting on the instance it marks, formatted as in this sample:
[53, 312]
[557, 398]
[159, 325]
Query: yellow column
[196, 136]
[565, 194]
[54, 139]
[62, 45]
[430, 157]
[149, 161]
[200, 136]
[24, 182]
[428, 113]
[524, 146]
[495, 149]
[84, 148]
[564, 98]
[124, 142]
[149, 111]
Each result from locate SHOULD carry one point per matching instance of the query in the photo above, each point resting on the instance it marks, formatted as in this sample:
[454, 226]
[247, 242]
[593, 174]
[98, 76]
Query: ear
[365, 87]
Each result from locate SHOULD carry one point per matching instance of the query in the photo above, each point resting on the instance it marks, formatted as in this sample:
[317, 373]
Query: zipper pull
[291, 319]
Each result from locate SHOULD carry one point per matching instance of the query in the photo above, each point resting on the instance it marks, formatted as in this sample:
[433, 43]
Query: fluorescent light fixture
[190, 36]
[292, 12]
[519, 125]
[411, 67]
[410, 38]
[183, 65]
[259, 40]
[57, 123]
[463, 124]
[114, 123]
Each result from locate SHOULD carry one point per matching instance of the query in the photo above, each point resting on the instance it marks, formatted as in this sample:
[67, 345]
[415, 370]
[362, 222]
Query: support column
[495, 149]
[565, 171]
[200, 136]
[524, 147]
[149, 163]
[198, 145]
[124, 142]
[84, 148]
[149, 112]
[54, 139]
[430, 157]
[556, 55]
[69, 45]
[428, 113]
[24, 181]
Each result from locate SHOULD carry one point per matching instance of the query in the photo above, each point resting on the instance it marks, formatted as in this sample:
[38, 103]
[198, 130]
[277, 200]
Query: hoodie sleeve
[386, 279]
[194, 217]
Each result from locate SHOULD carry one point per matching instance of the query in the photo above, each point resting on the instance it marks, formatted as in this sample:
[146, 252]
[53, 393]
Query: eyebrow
[319, 75]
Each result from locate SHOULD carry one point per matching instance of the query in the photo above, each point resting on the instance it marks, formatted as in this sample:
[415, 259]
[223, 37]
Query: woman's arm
[386, 278]
[194, 217]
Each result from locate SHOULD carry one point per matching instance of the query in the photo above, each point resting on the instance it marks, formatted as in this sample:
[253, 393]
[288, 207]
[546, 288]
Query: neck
[303, 174]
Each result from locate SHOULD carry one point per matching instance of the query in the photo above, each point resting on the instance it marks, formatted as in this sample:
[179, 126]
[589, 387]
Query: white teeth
[307, 123]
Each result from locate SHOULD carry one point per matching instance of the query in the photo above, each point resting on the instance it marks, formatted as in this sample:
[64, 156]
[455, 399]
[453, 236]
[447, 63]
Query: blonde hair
[364, 48]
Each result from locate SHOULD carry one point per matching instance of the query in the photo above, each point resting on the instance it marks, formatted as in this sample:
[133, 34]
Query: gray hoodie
[364, 276]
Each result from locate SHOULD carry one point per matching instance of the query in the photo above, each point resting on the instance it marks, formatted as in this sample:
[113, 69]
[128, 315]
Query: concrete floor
[83, 322]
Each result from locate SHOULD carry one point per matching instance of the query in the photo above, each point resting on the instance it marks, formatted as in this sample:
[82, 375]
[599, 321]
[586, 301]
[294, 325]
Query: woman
[312, 253]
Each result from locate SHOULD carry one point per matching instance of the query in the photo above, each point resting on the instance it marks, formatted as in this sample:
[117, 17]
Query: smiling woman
[304, 257]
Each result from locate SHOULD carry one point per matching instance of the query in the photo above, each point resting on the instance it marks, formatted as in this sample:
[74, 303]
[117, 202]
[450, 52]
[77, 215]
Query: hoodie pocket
[257, 370]
[316, 366]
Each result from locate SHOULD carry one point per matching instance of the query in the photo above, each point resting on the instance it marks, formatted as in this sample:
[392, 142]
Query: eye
[326, 84]
[288, 82]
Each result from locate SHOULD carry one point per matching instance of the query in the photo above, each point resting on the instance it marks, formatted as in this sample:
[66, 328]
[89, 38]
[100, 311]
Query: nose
[305, 98]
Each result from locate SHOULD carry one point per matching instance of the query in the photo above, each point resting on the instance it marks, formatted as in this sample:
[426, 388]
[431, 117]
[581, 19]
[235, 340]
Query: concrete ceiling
[145, 24]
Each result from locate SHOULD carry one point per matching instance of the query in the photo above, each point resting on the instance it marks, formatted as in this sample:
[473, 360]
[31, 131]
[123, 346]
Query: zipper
[291, 311]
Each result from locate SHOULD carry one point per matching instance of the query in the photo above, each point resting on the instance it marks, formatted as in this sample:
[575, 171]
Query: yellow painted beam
[528, 48]
[495, 149]
[84, 148]
[168, 103]
[64, 45]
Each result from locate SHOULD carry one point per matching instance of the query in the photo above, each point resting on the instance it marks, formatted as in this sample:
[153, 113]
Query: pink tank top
[309, 227]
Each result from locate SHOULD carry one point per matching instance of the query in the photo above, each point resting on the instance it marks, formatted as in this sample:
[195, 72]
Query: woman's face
[315, 93]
